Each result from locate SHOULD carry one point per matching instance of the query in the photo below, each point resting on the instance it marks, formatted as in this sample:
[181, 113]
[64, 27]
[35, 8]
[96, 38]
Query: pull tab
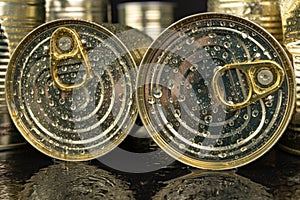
[65, 44]
[262, 77]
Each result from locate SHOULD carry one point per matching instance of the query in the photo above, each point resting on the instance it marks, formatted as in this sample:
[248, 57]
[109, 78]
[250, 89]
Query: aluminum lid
[70, 89]
[216, 91]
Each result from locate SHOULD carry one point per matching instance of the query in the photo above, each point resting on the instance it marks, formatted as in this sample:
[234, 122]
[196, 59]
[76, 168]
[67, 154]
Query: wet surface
[28, 174]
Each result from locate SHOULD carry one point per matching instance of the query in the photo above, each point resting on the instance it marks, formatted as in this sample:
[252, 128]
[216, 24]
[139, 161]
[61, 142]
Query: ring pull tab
[262, 77]
[65, 45]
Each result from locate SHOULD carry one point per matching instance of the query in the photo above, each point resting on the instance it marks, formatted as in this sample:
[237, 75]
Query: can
[216, 91]
[151, 17]
[265, 13]
[19, 17]
[9, 137]
[291, 34]
[91, 10]
[70, 89]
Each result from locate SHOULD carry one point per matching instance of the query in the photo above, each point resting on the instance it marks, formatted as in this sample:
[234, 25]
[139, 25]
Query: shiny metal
[265, 13]
[151, 17]
[182, 111]
[19, 17]
[290, 11]
[65, 44]
[136, 41]
[57, 114]
[91, 10]
[9, 138]
[259, 76]
[75, 181]
[200, 185]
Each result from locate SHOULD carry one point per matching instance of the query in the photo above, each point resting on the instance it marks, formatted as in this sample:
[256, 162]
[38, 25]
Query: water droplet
[190, 40]
[231, 123]
[171, 84]
[121, 97]
[269, 104]
[208, 119]
[225, 55]
[157, 93]
[222, 155]
[62, 101]
[246, 116]
[212, 35]
[182, 146]
[177, 113]
[217, 48]
[245, 34]
[239, 141]
[227, 45]
[181, 98]
[151, 100]
[206, 134]
[51, 103]
[175, 70]
[243, 149]
[65, 117]
[255, 113]
[193, 68]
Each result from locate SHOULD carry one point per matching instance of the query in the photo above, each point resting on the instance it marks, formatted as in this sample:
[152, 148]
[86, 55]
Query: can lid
[216, 91]
[70, 89]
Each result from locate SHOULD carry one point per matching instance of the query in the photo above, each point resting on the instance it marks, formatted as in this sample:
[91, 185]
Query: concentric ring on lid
[215, 91]
[72, 101]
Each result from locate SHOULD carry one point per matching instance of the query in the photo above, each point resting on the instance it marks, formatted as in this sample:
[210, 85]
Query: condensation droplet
[181, 98]
[212, 35]
[61, 101]
[181, 146]
[206, 134]
[246, 116]
[222, 155]
[225, 55]
[190, 40]
[157, 93]
[151, 100]
[193, 68]
[208, 119]
[177, 113]
[171, 84]
[255, 113]
[243, 149]
[245, 34]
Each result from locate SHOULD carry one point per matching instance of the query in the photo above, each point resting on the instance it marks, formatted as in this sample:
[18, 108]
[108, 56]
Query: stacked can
[291, 39]
[81, 9]
[4, 59]
[150, 17]
[19, 17]
[266, 13]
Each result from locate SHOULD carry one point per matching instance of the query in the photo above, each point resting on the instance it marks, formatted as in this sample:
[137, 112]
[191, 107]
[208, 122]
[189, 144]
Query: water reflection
[75, 181]
[289, 179]
[213, 185]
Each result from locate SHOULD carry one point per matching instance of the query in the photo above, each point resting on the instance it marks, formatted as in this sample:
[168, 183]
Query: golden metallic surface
[83, 106]
[252, 71]
[291, 35]
[184, 115]
[91, 10]
[75, 50]
[19, 17]
[265, 13]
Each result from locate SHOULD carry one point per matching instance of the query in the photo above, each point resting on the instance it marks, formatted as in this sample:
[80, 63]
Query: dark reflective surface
[27, 174]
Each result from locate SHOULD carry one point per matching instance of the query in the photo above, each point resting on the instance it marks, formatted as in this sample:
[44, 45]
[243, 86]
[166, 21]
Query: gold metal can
[19, 17]
[91, 10]
[291, 34]
[151, 17]
[216, 91]
[265, 13]
[70, 89]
